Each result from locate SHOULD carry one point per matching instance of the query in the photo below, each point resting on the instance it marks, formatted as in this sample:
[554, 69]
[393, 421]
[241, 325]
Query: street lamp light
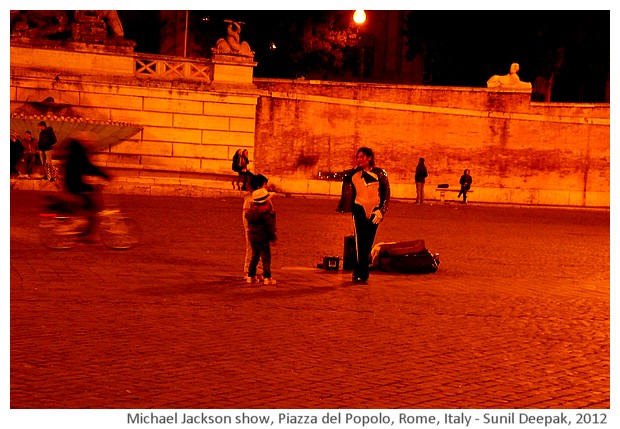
[359, 17]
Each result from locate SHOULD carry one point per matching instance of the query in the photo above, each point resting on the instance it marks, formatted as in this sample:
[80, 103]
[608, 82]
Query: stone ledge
[217, 187]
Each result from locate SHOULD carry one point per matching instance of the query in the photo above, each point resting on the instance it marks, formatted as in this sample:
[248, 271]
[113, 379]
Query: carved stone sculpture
[233, 44]
[82, 26]
[509, 81]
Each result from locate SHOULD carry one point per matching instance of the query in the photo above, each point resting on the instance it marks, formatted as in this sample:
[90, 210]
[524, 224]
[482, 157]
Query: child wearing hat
[261, 233]
[257, 181]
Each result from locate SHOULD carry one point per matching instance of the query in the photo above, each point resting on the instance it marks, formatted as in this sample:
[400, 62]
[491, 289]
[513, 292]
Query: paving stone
[517, 316]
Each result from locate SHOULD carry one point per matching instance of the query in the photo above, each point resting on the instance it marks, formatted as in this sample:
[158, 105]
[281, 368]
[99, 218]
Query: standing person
[236, 167]
[465, 182]
[261, 233]
[420, 177]
[17, 149]
[47, 139]
[257, 182]
[77, 166]
[30, 152]
[365, 194]
[245, 165]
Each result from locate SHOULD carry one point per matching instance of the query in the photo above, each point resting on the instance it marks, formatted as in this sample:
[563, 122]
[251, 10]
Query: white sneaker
[269, 281]
[250, 280]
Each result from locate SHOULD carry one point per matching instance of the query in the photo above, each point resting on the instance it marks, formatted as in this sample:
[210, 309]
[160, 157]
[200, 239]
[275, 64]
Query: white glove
[378, 217]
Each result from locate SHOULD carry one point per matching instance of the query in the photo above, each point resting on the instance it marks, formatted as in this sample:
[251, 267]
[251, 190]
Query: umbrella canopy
[66, 123]
[108, 133]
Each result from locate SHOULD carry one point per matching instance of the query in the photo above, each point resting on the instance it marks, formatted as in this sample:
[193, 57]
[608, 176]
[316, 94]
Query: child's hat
[261, 195]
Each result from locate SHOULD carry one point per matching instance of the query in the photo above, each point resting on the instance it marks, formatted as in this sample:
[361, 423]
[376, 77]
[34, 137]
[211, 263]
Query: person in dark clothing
[365, 194]
[30, 153]
[420, 177]
[261, 233]
[245, 169]
[47, 139]
[465, 182]
[17, 150]
[240, 163]
[236, 167]
[256, 182]
[78, 165]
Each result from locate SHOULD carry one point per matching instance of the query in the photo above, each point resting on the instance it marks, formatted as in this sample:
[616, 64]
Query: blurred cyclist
[78, 165]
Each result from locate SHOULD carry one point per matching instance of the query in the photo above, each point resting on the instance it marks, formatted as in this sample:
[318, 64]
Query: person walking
[420, 177]
[365, 194]
[261, 233]
[465, 182]
[16, 151]
[30, 152]
[47, 139]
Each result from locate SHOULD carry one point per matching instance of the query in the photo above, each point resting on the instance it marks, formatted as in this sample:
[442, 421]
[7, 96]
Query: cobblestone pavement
[517, 316]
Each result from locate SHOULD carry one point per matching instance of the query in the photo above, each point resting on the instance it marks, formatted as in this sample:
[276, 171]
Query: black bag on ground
[348, 260]
[407, 257]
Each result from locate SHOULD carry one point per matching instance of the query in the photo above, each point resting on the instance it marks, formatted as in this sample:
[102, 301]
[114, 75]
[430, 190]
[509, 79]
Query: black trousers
[16, 154]
[463, 192]
[261, 250]
[365, 232]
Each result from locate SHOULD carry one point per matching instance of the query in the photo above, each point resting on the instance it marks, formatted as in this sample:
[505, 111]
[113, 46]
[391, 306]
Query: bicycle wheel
[120, 233]
[53, 234]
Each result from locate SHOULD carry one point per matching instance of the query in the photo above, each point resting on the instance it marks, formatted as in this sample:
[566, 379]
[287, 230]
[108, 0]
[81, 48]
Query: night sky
[460, 48]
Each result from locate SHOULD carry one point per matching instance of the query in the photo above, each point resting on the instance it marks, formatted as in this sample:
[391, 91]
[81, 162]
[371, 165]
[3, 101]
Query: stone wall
[518, 151]
[195, 113]
[191, 125]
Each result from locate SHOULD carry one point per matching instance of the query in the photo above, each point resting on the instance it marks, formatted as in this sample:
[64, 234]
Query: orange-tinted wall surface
[518, 151]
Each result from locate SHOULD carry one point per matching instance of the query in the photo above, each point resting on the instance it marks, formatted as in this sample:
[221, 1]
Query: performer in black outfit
[365, 194]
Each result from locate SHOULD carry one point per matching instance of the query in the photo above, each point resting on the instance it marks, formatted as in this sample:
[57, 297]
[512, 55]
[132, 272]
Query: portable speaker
[331, 263]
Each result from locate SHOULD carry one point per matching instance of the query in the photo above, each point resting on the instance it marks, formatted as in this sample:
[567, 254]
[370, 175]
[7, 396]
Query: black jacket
[465, 182]
[347, 198]
[235, 163]
[420, 173]
[261, 223]
[78, 165]
[47, 139]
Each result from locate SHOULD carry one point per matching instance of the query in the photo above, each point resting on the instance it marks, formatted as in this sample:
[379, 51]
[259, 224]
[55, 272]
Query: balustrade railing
[173, 68]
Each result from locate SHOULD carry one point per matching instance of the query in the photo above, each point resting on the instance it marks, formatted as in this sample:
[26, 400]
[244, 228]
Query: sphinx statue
[508, 81]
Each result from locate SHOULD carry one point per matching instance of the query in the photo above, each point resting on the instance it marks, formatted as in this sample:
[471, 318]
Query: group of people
[259, 222]
[365, 194]
[241, 166]
[421, 174]
[29, 149]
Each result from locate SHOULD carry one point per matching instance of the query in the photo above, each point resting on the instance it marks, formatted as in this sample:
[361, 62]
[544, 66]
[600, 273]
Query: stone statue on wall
[84, 26]
[232, 44]
[52, 24]
[509, 81]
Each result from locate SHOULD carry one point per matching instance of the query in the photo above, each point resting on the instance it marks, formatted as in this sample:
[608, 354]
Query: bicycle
[60, 226]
